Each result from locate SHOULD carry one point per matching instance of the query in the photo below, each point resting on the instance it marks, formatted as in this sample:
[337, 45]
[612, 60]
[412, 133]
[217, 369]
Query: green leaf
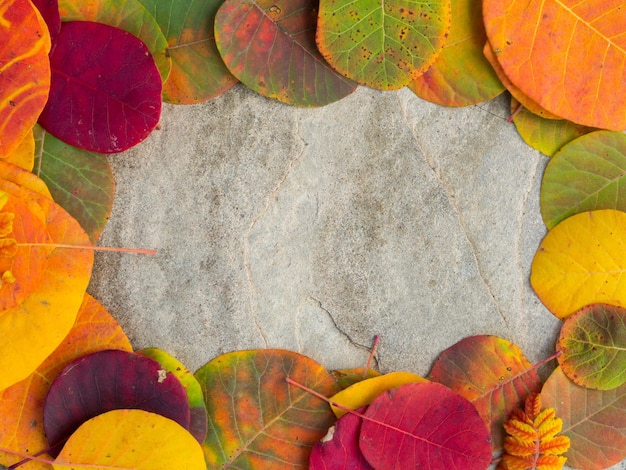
[383, 45]
[80, 181]
[256, 419]
[270, 47]
[461, 75]
[198, 72]
[593, 342]
[587, 174]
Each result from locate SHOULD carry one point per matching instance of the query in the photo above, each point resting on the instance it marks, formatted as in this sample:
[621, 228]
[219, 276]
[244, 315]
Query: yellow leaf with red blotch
[131, 439]
[582, 261]
[21, 405]
[42, 284]
[365, 392]
[568, 56]
[24, 71]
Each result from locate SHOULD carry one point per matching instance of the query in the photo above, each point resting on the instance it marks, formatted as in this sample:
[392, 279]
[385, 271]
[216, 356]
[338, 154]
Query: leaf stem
[372, 353]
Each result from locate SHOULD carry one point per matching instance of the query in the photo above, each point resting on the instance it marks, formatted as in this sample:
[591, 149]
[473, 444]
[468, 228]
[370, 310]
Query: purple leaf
[49, 9]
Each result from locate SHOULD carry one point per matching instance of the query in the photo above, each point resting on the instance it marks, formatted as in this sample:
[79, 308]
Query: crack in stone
[452, 199]
[246, 237]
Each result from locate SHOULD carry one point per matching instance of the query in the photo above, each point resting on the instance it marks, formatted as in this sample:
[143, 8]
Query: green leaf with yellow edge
[383, 45]
[587, 174]
[347, 377]
[593, 345]
[198, 72]
[546, 135]
[21, 405]
[461, 75]
[198, 415]
[129, 15]
[42, 286]
[582, 261]
[594, 420]
[24, 71]
[492, 373]
[80, 181]
[256, 419]
[131, 439]
[365, 392]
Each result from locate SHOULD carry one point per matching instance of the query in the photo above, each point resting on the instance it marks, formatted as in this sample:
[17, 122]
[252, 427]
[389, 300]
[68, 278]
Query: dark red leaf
[49, 9]
[339, 450]
[105, 94]
[424, 425]
[109, 380]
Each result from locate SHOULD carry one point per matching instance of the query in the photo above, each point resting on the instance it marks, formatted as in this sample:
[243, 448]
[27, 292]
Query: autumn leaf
[347, 377]
[256, 419]
[582, 261]
[24, 71]
[132, 439]
[492, 373]
[532, 441]
[21, 405]
[566, 55]
[382, 45]
[24, 154]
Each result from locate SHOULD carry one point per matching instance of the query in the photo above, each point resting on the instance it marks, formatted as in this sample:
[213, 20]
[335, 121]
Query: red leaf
[49, 10]
[339, 450]
[424, 425]
[109, 380]
[105, 94]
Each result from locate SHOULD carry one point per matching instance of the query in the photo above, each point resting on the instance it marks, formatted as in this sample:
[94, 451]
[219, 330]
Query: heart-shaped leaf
[105, 94]
[109, 380]
[582, 261]
[566, 55]
[586, 174]
[461, 75]
[593, 345]
[80, 181]
[258, 420]
[594, 420]
[424, 425]
[131, 439]
[492, 373]
[24, 73]
[198, 72]
[270, 47]
[383, 45]
[21, 405]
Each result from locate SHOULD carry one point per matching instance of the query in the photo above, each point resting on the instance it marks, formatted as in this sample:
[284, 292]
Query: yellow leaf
[131, 439]
[550, 462]
[364, 392]
[582, 261]
[520, 430]
[24, 155]
[556, 446]
[519, 447]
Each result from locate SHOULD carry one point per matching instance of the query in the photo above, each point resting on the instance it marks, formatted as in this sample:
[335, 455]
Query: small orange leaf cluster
[532, 442]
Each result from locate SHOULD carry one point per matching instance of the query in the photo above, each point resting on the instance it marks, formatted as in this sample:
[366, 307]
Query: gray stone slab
[315, 229]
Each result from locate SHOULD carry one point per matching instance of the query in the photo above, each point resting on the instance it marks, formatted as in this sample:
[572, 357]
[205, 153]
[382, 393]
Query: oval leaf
[129, 439]
[492, 373]
[270, 47]
[21, 405]
[593, 342]
[424, 425]
[594, 420]
[24, 71]
[586, 174]
[545, 50]
[582, 261]
[109, 380]
[106, 90]
[80, 181]
[270, 424]
[198, 72]
[461, 75]
[383, 45]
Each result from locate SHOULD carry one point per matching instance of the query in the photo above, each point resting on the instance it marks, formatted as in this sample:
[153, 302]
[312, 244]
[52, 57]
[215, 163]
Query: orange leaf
[24, 71]
[568, 56]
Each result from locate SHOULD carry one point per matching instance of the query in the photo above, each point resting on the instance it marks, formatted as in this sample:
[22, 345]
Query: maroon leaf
[424, 425]
[105, 94]
[49, 9]
[339, 450]
[109, 380]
